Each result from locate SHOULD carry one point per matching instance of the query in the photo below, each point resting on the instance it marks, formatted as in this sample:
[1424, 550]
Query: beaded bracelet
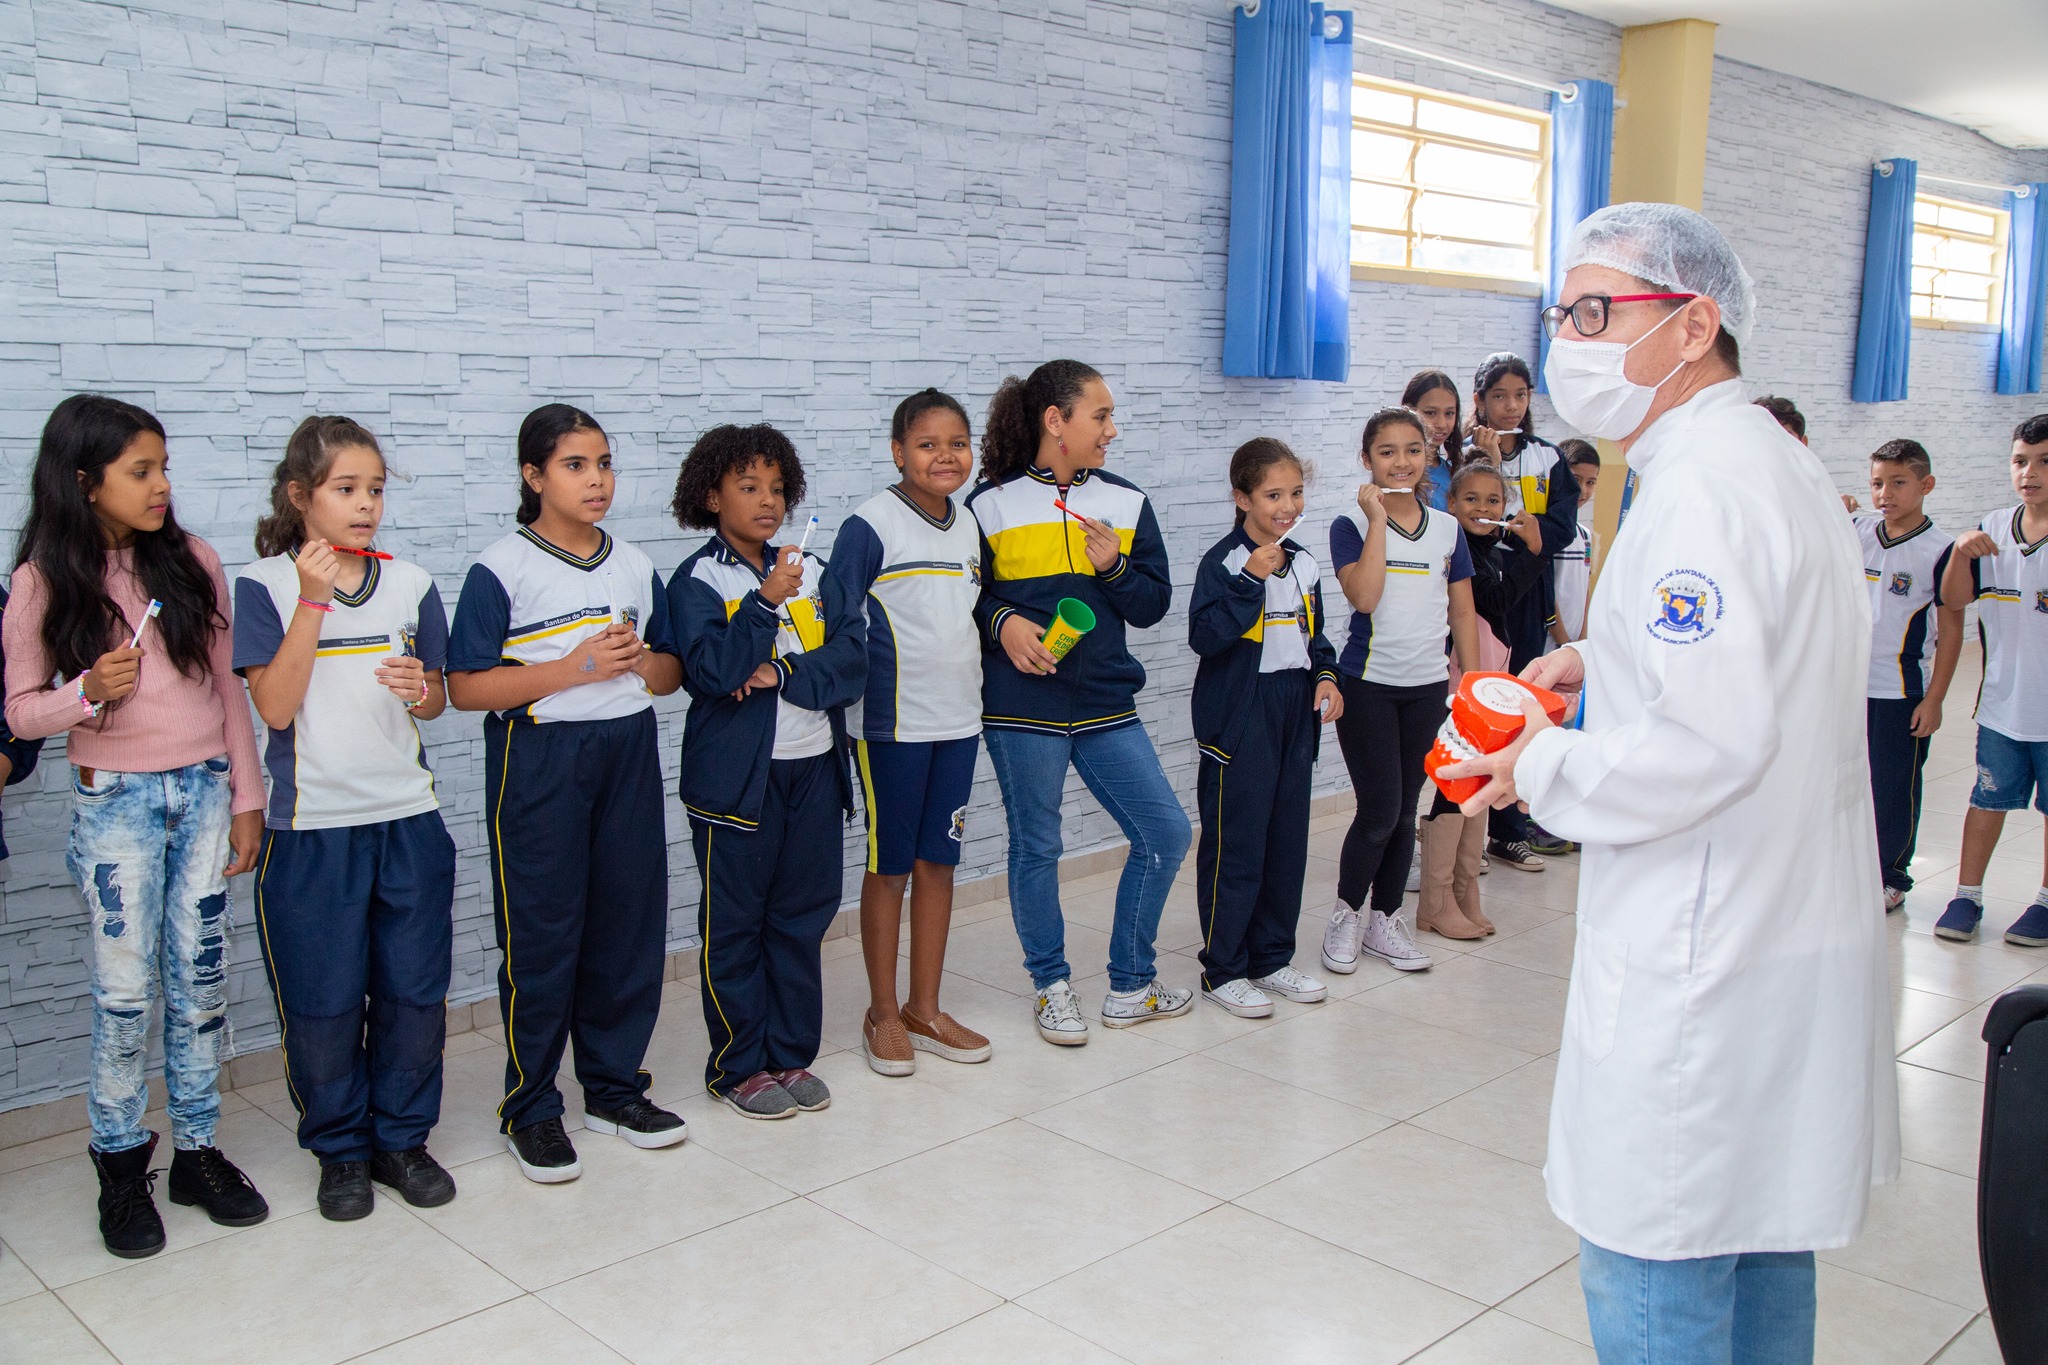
[87, 704]
[316, 606]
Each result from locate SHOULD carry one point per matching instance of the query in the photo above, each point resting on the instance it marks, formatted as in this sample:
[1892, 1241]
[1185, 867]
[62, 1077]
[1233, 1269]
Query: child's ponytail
[1009, 443]
[308, 456]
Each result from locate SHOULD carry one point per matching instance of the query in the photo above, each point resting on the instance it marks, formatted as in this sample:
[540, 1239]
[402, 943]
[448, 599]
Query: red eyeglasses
[1589, 312]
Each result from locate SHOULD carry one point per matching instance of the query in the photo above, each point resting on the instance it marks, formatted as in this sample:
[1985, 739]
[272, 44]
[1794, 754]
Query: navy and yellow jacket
[1238, 623]
[22, 753]
[726, 630]
[1032, 555]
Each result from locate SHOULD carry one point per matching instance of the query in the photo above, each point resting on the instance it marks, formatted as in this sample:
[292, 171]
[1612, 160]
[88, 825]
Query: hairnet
[1672, 248]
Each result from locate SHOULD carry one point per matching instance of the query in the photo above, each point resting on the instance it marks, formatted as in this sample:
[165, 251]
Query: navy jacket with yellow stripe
[1033, 555]
[725, 630]
[1227, 621]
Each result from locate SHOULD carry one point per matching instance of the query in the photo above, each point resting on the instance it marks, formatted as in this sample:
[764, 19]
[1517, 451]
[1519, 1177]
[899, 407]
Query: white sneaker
[1150, 1001]
[1059, 1016]
[1241, 998]
[1340, 940]
[1893, 899]
[1414, 882]
[1386, 936]
[1297, 986]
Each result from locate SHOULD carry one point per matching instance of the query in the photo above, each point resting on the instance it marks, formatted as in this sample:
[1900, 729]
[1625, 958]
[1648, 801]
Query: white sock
[2041, 896]
[1971, 893]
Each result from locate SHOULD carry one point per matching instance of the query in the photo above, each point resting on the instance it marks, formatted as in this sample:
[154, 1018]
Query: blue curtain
[1287, 309]
[1581, 171]
[2026, 293]
[1884, 332]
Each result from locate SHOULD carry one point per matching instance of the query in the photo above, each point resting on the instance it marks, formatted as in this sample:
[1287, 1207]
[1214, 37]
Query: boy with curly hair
[773, 652]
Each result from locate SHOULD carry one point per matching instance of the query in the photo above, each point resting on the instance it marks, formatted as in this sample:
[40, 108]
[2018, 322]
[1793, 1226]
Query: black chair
[2012, 1192]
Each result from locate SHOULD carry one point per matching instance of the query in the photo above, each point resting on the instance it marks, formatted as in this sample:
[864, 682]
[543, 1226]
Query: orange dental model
[1486, 715]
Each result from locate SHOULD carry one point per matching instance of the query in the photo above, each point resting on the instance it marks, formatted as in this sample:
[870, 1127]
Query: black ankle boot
[129, 1223]
[204, 1177]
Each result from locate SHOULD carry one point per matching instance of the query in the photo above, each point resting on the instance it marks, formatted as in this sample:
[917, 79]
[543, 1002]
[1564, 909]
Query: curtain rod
[1567, 92]
[2016, 191]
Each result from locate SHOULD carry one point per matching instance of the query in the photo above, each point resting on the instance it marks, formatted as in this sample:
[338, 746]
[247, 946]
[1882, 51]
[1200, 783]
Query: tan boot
[1465, 872]
[1438, 911]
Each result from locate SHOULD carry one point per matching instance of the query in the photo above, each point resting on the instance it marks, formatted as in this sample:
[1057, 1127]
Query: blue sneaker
[1959, 921]
[2030, 930]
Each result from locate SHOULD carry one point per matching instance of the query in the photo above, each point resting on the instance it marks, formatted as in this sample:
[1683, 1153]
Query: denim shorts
[2009, 771]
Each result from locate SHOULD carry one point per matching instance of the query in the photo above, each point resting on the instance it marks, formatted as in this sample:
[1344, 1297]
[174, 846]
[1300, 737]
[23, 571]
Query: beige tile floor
[1355, 1181]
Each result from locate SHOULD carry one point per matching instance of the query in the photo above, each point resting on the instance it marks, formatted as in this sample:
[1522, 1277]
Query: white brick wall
[433, 218]
[1788, 179]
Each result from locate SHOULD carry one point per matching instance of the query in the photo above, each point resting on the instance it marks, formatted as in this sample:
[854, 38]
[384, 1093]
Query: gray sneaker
[761, 1096]
[807, 1090]
[1150, 1001]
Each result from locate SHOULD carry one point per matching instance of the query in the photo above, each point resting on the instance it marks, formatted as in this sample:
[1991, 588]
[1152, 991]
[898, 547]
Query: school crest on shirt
[974, 569]
[1685, 607]
[2041, 601]
[1902, 584]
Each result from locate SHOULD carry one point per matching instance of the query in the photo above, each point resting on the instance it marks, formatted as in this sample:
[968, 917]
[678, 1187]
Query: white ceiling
[1980, 63]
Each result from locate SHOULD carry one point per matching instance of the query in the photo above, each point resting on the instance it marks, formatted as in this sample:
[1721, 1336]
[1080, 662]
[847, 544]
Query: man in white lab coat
[1725, 1094]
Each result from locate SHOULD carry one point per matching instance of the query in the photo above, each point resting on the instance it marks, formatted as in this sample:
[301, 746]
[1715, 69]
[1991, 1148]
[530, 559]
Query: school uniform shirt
[725, 630]
[1401, 642]
[919, 578]
[352, 755]
[1033, 554]
[1572, 581]
[2012, 607]
[1540, 482]
[528, 601]
[1904, 577]
[1243, 628]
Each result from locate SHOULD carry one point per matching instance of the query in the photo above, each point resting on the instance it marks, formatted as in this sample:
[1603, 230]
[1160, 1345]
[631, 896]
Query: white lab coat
[1725, 1083]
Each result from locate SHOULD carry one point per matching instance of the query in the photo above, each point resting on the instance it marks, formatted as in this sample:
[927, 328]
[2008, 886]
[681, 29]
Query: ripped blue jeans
[149, 852]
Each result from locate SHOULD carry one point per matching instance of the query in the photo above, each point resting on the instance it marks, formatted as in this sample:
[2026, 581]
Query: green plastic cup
[1074, 619]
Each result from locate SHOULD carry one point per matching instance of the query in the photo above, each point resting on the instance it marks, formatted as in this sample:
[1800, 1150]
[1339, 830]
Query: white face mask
[1592, 392]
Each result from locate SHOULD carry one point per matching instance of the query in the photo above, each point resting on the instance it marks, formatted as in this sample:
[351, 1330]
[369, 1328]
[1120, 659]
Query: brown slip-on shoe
[946, 1036]
[887, 1046]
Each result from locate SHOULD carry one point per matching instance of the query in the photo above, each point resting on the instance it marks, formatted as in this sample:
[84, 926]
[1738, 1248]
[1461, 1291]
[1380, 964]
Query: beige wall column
[1660, 155]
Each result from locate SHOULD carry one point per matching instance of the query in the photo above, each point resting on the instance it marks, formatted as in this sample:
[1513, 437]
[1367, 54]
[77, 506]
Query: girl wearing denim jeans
[128, 614]
[1055, 526]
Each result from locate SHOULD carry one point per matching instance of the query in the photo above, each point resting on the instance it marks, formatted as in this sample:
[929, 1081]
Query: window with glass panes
[1444, 183]
[1958, 260]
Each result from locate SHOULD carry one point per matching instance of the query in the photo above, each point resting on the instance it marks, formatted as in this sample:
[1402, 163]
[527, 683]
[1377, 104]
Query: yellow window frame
[1538, 242]
[1923, 303]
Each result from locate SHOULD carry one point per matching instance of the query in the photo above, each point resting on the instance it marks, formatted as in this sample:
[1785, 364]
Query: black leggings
[1384, 733]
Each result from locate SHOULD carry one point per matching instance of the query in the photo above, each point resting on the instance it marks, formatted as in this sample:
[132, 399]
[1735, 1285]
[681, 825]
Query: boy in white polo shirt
[1917, 635]
[2008, 576]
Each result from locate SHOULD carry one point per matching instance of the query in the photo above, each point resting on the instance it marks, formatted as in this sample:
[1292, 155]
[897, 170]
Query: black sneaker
[544, 1152]
[638, 1122]
[129, 1223]
[345, 1193]
[204, 1177]
[419, 1179]
[1542, 841]
[1514, 853]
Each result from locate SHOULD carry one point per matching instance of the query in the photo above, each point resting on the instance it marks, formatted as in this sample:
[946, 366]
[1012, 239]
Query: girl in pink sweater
[117, 638]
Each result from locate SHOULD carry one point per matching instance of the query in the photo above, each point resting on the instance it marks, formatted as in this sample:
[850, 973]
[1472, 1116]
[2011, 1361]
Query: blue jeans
[149, 852]
[1753, 1309]
[1122, 771]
